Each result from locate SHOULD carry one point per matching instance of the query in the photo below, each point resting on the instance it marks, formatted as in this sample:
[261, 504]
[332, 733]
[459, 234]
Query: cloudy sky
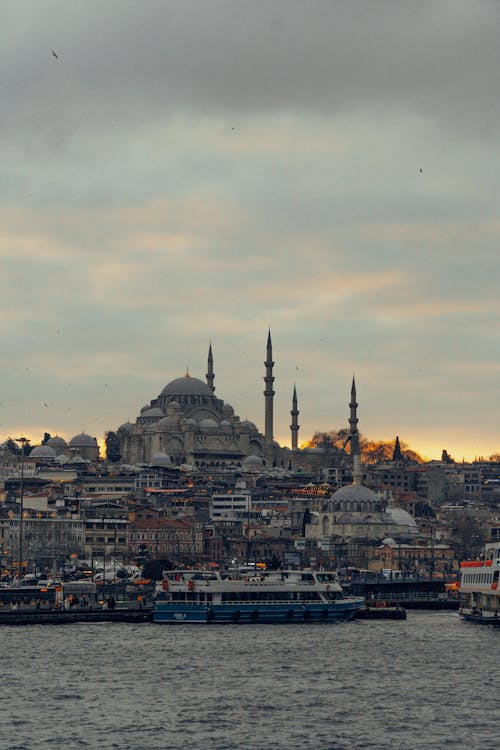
[193, 171]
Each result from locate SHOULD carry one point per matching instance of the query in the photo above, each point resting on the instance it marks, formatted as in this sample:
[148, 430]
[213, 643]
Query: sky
[186, 172]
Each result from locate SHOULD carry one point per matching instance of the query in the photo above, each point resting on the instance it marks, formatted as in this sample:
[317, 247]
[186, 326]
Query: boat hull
[481, 619]
[241, 613]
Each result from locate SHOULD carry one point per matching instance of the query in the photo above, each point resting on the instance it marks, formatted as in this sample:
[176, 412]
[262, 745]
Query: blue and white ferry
[268, 597]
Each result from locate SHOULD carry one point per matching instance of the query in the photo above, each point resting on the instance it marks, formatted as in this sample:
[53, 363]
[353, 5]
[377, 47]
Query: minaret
[294, 427]
[210, 369]
[269, 394]
[354, 437]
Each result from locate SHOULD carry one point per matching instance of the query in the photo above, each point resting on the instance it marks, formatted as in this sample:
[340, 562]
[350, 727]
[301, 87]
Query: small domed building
[83, 446]
[354, 511]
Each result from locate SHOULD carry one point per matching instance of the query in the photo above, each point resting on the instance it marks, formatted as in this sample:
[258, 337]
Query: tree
[46, 438]
[372, 451]
[12, 447]
[468, 535]
[112, 447]
[376, 451]
[332, 438]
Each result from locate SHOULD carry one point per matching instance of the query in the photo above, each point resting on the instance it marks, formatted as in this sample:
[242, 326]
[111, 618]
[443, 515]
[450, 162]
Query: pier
[32, 616]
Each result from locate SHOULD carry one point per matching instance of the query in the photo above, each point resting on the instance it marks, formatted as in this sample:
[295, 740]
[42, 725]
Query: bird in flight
[421, 170]
[54, 54]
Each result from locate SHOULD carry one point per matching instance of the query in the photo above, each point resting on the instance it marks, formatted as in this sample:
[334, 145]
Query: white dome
[43, 451]
[208, 424]
[78, 460]
[83, 441]
[126, 426]
[168, 423]
[160, 459]
[186, 386]
[401, 517]
[154, 411]
[227, 410]
[354, 493]
[56, 443]
[225, 425]
[252, 461]
[252, 428]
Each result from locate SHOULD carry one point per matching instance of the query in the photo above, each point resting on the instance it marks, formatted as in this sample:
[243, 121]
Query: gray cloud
[122, 63]
[187, 171]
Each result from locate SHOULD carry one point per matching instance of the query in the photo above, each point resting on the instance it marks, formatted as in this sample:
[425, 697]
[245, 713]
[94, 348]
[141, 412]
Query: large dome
[354, 493]
[57, 443]
[83, 441]
[354, 498]
[186, 386]
[43, 451]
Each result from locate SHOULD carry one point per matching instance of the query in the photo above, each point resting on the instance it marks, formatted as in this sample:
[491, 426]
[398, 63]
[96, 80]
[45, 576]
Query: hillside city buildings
[191, 483]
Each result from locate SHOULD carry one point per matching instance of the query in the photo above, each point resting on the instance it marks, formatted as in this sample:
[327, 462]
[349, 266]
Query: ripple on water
[412, 685]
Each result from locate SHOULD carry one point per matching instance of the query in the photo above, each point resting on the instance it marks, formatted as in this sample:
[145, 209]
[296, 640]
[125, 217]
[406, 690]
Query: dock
[32, 616]
[409, 593]
[381, 613]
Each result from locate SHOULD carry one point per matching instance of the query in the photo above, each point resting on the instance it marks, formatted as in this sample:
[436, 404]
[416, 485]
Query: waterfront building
[178, 540]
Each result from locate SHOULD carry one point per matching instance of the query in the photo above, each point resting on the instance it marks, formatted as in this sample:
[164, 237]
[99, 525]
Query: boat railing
[411, 596]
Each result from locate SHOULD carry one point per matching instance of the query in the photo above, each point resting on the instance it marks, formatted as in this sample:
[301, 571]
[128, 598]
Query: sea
[431, 681]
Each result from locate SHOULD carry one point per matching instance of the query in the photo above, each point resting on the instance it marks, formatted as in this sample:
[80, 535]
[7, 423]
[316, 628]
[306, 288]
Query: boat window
[326, 577]
[307, 577]
[333, 595]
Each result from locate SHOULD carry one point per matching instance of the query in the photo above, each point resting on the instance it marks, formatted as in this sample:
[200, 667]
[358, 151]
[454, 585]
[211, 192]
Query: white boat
[268, 597]
[479, 593]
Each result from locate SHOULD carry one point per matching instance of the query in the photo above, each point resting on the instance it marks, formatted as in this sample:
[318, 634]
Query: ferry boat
[479, 592]
[268, 597]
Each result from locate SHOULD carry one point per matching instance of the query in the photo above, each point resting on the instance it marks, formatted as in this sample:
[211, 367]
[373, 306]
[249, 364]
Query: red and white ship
[479, 592]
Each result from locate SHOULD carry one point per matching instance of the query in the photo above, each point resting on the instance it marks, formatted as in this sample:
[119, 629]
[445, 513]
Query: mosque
[188, 424]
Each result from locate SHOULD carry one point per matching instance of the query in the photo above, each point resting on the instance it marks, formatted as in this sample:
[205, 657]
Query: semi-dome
[168, 423]
[83, 441]
[154, 411]
[43, 451]
[227, 410]
[126, 426]
[252, 428]
[208, 424]
[401, 517]
[252, 462]
[225, 425]
[160, 459]
[186, 386]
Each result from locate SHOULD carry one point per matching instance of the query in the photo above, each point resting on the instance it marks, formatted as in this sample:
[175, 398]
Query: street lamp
[23, 441]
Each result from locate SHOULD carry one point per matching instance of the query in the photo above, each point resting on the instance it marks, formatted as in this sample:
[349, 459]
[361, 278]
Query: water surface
[428, 682]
